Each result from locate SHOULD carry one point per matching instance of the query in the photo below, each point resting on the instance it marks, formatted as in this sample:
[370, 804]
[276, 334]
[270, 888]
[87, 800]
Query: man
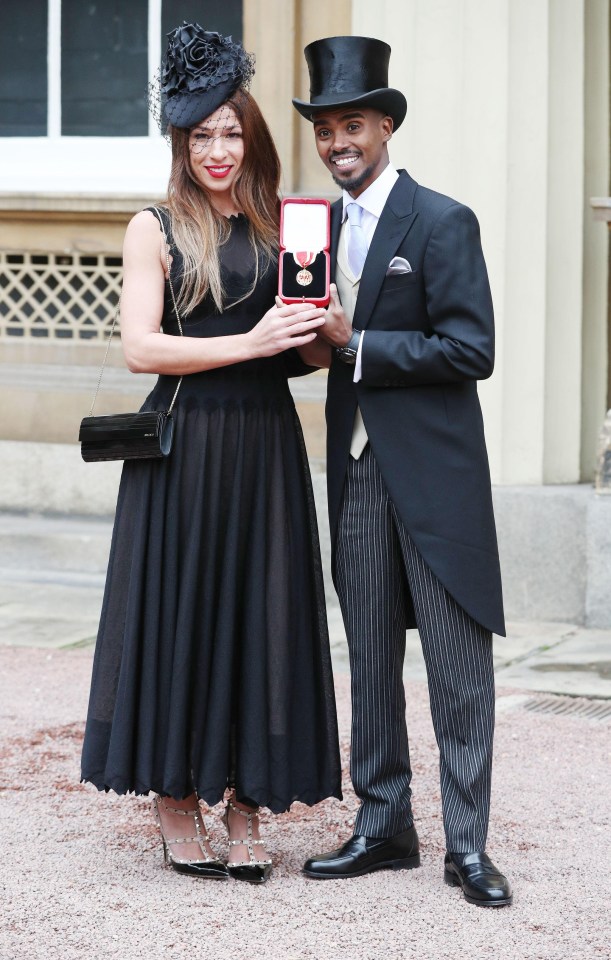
[410, 504]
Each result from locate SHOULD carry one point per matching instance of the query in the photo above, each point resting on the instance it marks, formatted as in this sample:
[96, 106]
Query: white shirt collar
[375, 196]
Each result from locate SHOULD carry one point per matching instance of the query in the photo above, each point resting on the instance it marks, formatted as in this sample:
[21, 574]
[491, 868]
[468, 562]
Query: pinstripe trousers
[377, 568]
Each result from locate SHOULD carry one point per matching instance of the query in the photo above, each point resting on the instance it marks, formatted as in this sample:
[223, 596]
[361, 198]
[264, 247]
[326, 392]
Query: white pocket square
[398, 265]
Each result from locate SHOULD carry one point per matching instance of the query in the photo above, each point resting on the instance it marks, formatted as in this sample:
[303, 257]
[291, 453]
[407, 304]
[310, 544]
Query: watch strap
[348, 352]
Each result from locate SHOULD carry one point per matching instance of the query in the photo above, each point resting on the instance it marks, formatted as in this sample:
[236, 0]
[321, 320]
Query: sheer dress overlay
[212, 660]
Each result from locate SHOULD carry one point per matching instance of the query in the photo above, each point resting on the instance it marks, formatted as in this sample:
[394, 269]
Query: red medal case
[305, 236]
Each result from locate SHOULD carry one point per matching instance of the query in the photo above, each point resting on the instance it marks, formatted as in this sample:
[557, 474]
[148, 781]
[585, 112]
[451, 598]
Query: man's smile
[345, 161]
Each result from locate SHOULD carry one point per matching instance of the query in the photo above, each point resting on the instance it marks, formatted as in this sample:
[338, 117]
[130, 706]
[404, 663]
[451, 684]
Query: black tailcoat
[429, 338]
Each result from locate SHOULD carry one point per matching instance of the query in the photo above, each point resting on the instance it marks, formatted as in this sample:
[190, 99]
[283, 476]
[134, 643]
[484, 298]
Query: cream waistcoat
[348, 288]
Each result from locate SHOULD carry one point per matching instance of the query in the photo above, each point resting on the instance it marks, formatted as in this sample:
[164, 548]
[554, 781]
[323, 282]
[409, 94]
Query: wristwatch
[348, 353]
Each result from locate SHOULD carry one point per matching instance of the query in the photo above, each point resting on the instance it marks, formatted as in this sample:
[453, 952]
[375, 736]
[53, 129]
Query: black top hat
[350, 70]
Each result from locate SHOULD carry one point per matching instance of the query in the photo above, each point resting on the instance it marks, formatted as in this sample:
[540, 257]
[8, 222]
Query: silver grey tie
[357, 242]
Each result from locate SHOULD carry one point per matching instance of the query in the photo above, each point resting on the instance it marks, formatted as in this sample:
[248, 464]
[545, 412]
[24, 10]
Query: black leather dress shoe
[361, 855]
[480, 880]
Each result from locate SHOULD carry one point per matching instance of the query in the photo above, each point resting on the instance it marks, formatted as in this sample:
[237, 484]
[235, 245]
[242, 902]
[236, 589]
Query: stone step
[53, 549]
[52, 574]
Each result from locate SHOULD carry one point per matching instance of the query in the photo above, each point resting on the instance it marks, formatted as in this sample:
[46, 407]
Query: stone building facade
[508, 110]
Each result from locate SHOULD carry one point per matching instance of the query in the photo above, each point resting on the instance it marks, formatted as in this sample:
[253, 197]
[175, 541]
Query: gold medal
[304, 278]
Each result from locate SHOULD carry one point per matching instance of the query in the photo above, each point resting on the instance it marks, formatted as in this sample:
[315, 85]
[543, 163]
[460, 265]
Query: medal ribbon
[304, 258]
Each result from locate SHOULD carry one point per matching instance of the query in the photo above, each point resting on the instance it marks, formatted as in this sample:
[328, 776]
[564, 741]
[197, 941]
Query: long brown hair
[197, 227]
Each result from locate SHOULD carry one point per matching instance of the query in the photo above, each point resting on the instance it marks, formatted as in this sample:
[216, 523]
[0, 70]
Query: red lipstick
[218, 172]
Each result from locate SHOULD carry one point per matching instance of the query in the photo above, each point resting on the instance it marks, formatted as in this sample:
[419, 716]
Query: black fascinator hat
[350, 71]
[200, 71]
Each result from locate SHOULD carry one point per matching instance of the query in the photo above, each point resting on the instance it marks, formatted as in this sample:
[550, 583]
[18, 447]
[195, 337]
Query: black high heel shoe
[254, 871]
[211, 868]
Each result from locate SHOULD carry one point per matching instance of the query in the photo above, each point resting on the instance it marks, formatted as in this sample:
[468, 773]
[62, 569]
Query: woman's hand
[284, 326]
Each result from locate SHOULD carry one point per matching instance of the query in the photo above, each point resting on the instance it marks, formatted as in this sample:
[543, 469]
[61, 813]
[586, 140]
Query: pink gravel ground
[83, 873]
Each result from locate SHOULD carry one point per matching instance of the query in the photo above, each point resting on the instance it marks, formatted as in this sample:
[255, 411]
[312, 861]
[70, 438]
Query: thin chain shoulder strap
[167, 260]
[109, 341]
[116, 317]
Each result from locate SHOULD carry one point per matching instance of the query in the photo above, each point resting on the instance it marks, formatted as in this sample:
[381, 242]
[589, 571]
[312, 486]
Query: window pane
[104, 68]
[224, 16]
[23, 62]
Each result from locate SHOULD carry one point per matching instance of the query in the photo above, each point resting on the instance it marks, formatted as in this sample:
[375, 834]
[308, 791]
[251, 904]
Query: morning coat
[429, 338]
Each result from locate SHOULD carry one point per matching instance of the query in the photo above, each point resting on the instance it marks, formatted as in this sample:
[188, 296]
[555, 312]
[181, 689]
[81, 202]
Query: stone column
[269, 31]
[277, 31]
[596, 380]
[602, 473]
[564, 242]
[315, 20]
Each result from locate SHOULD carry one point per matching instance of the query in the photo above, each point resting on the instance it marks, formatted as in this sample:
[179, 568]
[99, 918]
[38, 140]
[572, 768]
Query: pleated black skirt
[212, 662]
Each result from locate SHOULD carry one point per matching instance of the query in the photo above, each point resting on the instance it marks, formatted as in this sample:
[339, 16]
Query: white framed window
[82, 124]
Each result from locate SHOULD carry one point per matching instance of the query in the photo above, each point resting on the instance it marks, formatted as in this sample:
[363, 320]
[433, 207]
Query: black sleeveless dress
[212, 662]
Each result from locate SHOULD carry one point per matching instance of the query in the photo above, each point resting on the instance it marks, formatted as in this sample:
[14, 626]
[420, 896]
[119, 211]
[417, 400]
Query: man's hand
[337, 329]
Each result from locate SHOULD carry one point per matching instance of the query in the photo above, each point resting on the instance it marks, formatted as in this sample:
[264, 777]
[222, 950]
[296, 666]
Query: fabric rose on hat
[197, 59]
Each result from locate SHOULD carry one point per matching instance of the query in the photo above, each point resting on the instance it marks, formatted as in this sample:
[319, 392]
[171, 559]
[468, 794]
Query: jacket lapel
[393, 226]
[336, 225]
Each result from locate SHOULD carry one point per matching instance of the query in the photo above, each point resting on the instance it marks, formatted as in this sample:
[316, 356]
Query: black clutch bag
[126, 436]
[144, 435]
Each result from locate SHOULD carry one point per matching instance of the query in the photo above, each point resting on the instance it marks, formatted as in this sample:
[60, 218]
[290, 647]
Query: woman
[212, 671]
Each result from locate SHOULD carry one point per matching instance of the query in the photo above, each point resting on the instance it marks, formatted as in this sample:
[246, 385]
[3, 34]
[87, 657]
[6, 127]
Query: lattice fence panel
[58, 296]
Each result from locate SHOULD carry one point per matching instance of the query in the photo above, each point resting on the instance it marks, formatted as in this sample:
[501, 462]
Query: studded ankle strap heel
[254, 871]
[210, 867]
